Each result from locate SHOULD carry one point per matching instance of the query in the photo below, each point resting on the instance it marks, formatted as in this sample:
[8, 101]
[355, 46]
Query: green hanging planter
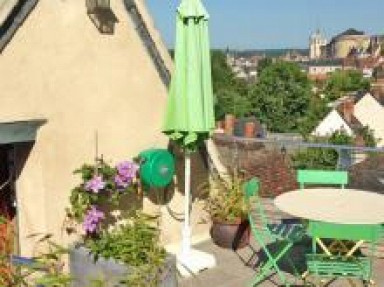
[157, 167]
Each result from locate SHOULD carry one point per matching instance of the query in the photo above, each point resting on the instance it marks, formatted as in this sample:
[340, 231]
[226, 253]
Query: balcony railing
[275, 161]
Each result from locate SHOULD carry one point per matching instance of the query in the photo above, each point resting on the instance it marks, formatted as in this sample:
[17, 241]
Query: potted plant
[228, 211]
[117, 248]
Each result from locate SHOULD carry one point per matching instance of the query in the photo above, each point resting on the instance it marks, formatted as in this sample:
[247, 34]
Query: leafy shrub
[132, 238]
[225, 200]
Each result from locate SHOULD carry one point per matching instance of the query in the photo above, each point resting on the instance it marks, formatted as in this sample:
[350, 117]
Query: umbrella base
[194, 261]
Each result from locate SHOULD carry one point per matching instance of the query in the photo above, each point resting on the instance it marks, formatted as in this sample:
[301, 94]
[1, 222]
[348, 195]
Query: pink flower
[95, 184]
[126, 172]
[92, 220]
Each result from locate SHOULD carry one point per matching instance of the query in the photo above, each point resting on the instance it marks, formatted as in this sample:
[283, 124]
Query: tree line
[283, 97]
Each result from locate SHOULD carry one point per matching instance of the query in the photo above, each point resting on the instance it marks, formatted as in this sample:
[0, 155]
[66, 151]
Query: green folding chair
[325, 263]
[265, 233]
[322, 177]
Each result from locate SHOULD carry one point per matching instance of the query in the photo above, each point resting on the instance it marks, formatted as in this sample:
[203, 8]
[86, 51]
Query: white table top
[345, 206]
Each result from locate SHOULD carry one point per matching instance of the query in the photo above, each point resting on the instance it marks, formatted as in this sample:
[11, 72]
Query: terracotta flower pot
[220, 126]
[232, 235]
[229, 124]
[250, 130]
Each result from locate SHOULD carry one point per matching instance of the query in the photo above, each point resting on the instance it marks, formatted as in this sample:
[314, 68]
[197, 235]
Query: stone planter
[84, 270]
[231, 235]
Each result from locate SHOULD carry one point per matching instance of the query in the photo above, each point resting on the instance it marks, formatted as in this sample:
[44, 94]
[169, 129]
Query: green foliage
[368, 136]
[321, 158]
[315, 158]
[132, 238]
[230, 93]
[281, 97]
[317, 110]
[3, 220]
[263, 63]
[107, 193]
[46, 269]
[225, 200]
[135, 243]
[340, 138]
[342, 82]
[229, 101]
[327, 158]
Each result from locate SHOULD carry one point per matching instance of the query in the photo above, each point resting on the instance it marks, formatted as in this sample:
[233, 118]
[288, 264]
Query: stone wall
[270, 165]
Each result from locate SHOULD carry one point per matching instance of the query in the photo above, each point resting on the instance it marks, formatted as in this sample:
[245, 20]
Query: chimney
[348, 110]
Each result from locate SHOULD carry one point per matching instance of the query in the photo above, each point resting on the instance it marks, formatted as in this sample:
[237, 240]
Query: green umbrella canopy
[189, 117]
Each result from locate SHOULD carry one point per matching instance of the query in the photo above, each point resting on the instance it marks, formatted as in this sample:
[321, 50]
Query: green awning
[19, 131]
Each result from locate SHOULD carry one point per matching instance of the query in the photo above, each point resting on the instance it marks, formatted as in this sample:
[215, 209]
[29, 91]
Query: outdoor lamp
[102, 16]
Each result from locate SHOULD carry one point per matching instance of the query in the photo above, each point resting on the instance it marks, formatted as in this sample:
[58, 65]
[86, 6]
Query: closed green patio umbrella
[189, 118]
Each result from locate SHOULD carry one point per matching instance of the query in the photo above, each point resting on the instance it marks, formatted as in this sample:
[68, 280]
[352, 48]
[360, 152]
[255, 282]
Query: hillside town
[351, 49]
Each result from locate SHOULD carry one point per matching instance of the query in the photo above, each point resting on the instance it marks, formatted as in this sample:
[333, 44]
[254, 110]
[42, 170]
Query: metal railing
[365, 164]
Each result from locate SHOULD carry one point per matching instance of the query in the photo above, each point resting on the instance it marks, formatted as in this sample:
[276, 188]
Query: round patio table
[344, 206]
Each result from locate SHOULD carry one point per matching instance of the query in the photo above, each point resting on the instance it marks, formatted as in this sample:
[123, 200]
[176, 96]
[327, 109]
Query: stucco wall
[59, 67]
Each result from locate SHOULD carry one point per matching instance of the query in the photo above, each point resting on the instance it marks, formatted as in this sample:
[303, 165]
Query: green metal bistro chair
[316, 177]
[324, 177]
[265, 233]
[325, 263]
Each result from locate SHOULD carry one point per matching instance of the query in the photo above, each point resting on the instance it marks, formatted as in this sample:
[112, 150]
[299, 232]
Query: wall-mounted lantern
[101, 14]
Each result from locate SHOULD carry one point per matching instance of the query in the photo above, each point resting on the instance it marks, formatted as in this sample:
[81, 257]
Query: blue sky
[261, 24]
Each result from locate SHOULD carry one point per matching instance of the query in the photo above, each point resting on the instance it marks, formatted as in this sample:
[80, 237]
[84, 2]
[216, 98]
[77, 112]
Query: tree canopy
[282, 97]
[340, 83]
[230, 93]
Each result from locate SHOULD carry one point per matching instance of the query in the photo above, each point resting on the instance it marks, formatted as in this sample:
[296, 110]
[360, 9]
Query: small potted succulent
[228, 211]
[118, 247]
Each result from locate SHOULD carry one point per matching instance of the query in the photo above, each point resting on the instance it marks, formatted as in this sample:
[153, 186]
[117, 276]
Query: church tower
[316, 42]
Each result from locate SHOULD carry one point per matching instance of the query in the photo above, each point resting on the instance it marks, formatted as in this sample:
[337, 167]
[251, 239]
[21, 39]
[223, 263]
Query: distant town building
[351, 42]
[295, 56]
[316, 43]
[347, 42]
[243, 67]
[321, 68]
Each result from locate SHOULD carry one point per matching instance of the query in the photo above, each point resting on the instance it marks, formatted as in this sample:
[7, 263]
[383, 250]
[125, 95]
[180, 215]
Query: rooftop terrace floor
[232, 269]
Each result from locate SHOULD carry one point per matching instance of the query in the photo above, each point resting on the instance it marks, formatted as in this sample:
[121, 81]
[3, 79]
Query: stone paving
[237, 268]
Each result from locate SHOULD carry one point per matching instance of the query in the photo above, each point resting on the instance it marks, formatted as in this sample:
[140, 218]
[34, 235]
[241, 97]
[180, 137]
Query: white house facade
[331, 123]
[370, 112]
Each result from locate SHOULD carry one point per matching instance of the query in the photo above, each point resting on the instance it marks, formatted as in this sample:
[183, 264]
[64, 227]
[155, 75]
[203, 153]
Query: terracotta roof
[325, 62]
[350, 32]
[360, 63]
[354, 124]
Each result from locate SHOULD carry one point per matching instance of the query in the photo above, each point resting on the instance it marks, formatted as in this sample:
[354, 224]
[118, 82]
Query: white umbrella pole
[186, 243]
[191, 261]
